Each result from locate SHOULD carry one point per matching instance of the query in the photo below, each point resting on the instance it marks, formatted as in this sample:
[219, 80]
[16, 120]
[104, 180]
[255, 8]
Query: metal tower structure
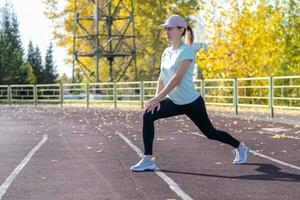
[104, 30]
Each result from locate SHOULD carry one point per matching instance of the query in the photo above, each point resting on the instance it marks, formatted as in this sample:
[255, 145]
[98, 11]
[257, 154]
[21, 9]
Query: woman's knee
[148, 116]
[211, 136]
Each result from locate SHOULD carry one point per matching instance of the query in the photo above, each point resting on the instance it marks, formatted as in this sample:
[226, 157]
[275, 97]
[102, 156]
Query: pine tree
[11, 52]
[30, 53]
[3, 46]
[34, 58]
[38, 65]
[50, 68]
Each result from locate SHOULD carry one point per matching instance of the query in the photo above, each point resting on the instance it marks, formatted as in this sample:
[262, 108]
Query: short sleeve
[187, 54]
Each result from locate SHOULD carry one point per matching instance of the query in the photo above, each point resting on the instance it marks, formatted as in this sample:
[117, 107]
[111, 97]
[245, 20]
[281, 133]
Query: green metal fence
[265, 92]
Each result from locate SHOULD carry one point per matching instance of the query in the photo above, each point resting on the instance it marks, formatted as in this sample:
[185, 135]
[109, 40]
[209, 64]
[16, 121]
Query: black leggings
[196, 111]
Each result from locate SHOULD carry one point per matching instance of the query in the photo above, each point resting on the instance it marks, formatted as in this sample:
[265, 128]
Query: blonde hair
[189, 35]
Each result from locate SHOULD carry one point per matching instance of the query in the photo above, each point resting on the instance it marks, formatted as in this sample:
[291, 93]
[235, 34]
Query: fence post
[61, 94]
[9, 94]
[235, 96]
[142, 94]
[87, 95]
[203, 88]
[271, 97]
[35, 94]
[115, 94]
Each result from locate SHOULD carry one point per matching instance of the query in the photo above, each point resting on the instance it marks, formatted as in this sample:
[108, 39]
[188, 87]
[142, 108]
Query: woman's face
[173, 33]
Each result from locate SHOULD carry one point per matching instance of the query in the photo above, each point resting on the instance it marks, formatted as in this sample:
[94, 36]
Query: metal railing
[265, 92]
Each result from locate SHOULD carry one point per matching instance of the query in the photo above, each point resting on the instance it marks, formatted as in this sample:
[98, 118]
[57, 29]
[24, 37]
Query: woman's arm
[175, 80]
[160, 86]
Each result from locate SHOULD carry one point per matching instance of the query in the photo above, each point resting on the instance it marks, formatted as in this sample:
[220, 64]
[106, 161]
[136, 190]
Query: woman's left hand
[151, 105]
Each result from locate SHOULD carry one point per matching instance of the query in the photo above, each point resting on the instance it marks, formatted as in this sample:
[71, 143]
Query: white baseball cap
[173, 21]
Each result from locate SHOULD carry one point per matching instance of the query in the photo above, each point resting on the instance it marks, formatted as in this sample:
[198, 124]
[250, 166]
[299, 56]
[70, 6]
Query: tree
[27, 74]
[64, 79]
[30, 53]
[78, 75]
[250, 38]
[149, 14]
[50, 68]
[11, 52]
[34, 58]
[3, 47]
[38, 65]
[150, 39]
[291, 57]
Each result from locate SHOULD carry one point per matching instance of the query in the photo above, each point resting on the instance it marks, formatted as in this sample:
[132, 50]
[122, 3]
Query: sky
[35, 26]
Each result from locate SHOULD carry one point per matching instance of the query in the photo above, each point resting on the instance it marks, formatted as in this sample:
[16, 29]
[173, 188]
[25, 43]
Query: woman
[176, 95]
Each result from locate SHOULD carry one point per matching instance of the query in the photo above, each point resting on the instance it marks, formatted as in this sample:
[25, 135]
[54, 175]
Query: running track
[84, 154]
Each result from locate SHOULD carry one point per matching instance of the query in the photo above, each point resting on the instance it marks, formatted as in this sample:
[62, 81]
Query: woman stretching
[176, 95]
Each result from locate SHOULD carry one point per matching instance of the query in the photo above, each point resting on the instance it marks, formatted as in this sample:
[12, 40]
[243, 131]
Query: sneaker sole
[143, 169]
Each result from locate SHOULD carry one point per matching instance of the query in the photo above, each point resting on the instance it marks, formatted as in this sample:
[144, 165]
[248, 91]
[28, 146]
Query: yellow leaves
[280, 136]
[249, 45]
[50, 10]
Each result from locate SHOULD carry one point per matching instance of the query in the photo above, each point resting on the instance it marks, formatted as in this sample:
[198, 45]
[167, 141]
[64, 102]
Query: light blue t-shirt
[185, 91]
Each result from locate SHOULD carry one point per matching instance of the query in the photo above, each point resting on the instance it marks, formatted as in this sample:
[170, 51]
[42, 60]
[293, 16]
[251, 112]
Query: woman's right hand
[151, 105]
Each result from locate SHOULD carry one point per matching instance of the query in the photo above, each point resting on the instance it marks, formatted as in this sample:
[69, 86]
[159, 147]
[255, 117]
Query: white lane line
[196, 133]
[292, 137]
[262, 155]
[173, 186]
[17, 170]
[275, 160]
[135, 148]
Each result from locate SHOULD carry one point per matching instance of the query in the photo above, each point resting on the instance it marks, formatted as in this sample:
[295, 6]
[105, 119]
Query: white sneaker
[144, 164]
[241, 155]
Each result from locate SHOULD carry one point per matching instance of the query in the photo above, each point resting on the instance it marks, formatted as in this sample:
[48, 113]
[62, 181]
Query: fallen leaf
[99, 151]
[278, 136]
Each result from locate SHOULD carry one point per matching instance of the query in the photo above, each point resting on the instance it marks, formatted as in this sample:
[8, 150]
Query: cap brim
[166, 26]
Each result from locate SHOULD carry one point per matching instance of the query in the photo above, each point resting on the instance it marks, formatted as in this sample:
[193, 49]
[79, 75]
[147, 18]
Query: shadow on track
[268, 172]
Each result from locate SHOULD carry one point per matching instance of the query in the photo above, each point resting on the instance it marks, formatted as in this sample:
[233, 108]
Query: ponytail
[190, 35]
[189, 39]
